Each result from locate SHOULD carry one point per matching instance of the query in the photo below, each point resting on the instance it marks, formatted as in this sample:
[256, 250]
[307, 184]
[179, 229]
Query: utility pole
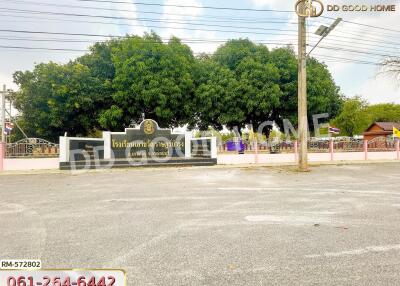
[302, 93]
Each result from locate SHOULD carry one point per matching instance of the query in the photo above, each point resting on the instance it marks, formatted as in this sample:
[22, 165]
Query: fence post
[366, 150]
[331, 148]
[398, 148]
[296, 151]
[2, 155]
[255, 143]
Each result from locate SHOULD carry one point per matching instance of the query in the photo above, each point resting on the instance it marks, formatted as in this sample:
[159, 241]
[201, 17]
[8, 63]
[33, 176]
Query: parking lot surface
[336, 225]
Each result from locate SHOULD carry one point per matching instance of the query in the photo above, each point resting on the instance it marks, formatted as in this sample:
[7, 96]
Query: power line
[394, 50]
[364, 36]
[356, 44]
[105, 36]
[141, 51]
[346, 59]
[176, 28]
[351, 46]
[366, 25]
[193, 41]
[324, 57]
[363, 39]
[143, 19]
[46, 49]
[95, 35]
[366, 40]
[224, 19]
[357, 31]
[12, 14]
[367, 33]
[352, 51]
[189, 6]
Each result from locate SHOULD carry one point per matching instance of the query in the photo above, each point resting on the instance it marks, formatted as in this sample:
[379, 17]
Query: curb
[247, 166]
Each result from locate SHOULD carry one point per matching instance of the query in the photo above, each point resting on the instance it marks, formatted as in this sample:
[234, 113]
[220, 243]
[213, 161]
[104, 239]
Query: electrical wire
[220, 18]
[143, 19]
[365, 25]
[189, 6]
[361, 39]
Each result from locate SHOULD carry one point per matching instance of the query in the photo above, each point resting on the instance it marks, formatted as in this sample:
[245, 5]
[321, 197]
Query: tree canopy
[357, 115]
[121, 80]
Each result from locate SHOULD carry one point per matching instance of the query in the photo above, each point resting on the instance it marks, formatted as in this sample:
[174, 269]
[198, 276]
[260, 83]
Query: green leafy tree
[389, 112]
[323, 95]
[121, 80]
[215, 98]
[151, 79]
[356, 115]
[267, 86]
[351, 119]
[258, 92]
[55, 98]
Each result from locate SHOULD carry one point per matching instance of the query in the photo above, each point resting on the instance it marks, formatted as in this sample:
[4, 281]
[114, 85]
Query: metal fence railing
[39, 148]
[32, 148]
[315, 145]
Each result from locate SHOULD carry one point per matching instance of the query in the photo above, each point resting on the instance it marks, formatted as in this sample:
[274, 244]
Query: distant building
[380, 129]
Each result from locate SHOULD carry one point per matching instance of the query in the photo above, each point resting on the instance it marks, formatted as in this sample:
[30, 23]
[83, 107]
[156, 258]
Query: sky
[204, 30]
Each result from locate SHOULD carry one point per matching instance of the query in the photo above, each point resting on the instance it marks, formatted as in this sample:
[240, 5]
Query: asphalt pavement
[336, 225]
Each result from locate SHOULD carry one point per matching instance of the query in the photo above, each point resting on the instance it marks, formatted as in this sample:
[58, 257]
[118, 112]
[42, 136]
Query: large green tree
[215, 98]
[153, 79]
[267, 86]
[258, 92]
[57, 98]
[121, 80]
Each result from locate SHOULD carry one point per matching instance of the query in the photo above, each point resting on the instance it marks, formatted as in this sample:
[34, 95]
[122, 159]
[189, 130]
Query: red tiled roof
[388, 126]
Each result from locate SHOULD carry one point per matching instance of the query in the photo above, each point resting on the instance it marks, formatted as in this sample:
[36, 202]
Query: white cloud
[380, 90]
[129, 11]
[275, 4]
[179, 17]
[359, 79]
[19, 59]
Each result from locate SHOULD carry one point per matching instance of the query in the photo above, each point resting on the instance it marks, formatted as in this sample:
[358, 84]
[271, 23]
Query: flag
[334, 130]
[396, 132]
[8, 128]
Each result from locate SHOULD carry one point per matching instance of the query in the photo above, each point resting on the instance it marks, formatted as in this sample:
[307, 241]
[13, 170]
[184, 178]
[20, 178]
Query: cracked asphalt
[336, 225]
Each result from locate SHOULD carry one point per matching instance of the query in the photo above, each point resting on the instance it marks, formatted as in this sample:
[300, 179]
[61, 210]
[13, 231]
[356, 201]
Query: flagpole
[3, 125]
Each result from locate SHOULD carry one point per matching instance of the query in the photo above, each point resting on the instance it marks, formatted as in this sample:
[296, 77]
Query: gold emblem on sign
[149, 127]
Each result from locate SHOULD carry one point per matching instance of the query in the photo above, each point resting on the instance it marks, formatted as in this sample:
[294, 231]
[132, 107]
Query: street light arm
[325, 33]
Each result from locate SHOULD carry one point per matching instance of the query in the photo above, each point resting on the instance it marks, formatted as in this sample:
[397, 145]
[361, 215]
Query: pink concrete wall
[382, 155]
[31, 164]
[349, 156]
[223, 159]
[319, 157]
[232, 159]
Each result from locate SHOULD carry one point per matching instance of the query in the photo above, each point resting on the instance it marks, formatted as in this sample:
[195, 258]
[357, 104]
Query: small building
[380, 129]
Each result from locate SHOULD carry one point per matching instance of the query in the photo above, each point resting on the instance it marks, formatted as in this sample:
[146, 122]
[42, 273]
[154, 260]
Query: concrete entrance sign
[146, 145]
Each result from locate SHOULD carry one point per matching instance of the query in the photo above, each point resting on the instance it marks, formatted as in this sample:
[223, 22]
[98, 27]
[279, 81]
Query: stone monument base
[104, 164]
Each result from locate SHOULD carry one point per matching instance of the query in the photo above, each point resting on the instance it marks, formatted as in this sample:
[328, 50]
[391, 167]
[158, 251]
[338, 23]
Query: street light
[324, 31]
